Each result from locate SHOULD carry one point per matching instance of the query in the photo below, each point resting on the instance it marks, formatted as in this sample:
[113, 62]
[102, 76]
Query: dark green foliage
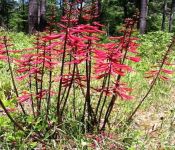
[14, 14]
[114, 12]
[6, 8]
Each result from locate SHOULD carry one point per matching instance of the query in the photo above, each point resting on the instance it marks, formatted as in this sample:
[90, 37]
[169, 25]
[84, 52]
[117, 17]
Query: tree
[143, 16]
[42, 15]
[33, 16]
[164, 15]
[171, 15]
[36, 17]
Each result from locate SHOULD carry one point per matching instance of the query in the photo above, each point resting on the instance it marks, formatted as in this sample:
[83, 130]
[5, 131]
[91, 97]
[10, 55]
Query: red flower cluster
[74, 56]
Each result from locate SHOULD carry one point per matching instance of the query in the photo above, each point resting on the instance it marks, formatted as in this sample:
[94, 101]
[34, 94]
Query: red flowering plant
[161, 71]
[63, 64]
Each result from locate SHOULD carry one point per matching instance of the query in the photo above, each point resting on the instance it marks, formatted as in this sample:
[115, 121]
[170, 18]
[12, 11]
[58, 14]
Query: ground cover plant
[71, 81]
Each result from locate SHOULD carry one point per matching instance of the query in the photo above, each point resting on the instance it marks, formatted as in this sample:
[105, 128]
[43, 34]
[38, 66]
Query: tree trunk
[143, 16]
[164, 15]
[33, 16]
[42, 15]
[43, 8]
[171, 15]
[36, 18]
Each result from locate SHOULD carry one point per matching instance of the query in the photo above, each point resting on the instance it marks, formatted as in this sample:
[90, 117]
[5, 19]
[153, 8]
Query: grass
[152, 126]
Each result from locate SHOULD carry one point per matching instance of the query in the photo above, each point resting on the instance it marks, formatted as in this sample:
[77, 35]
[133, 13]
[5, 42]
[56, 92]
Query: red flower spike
[135, 59]
[22, 77]
[24, 97]
[2, 57]
[51, 37]
[41, 94]
[167, 71]
[97, 24]
[164, 78]
[122, 90]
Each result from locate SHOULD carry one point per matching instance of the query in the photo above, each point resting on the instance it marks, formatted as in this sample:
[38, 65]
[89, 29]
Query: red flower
[24, 97]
